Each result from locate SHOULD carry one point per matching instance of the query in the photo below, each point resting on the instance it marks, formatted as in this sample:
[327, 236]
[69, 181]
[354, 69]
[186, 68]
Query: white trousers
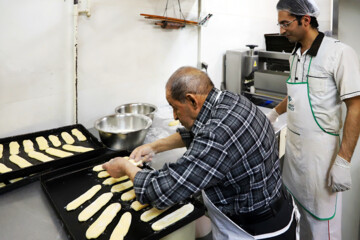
[313, 229]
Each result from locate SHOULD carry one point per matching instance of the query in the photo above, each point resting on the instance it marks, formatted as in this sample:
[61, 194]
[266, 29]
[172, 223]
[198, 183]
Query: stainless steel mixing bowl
[140, 108]
[123, 131]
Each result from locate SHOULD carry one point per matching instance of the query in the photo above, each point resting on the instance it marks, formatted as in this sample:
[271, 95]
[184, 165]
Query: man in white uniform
[324, 72]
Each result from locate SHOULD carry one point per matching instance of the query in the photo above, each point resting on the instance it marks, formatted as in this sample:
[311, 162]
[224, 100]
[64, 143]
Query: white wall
[125, 58]
[35, 65]
[237, 23]
[349, 17]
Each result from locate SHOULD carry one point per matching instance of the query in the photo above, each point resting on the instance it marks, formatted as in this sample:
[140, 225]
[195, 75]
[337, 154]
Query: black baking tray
[38, 166]
[10, 185]
[64, 185]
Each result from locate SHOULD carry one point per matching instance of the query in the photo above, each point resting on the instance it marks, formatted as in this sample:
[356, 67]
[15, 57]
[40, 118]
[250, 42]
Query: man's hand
[272, 116]
[118, 167]
[339, 176]
[144, 153]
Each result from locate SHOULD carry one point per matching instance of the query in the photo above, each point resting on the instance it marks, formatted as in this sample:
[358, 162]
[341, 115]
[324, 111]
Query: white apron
[223, 228]
[310, 150]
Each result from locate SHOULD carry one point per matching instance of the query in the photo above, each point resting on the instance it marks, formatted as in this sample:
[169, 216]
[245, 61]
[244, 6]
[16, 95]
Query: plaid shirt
[231, 154]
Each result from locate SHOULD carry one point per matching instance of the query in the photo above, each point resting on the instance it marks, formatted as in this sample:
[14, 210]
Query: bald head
[188, 80]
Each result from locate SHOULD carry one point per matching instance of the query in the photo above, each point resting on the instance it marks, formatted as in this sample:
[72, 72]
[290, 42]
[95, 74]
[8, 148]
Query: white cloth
[340, 176]
[313, 229]
[334, 76]
[223, 228]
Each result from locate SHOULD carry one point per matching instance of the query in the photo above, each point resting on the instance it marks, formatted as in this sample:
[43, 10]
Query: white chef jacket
[333, 72]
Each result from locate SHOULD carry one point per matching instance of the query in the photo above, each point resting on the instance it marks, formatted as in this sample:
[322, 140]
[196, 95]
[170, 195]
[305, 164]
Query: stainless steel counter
[25, 213]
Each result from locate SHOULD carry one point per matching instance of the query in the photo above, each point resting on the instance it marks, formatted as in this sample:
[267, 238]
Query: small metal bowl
[123, 131]
[140, 108]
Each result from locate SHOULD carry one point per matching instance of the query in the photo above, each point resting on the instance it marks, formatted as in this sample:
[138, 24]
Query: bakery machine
[260, 75]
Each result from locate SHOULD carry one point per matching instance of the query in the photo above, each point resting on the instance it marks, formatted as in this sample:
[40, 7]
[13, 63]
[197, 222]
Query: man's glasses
[286, 25]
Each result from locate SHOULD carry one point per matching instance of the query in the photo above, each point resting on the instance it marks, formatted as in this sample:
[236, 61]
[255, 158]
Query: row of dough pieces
[110, 212]
[43, 145]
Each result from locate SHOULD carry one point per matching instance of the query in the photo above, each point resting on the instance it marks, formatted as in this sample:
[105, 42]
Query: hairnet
[299, 7]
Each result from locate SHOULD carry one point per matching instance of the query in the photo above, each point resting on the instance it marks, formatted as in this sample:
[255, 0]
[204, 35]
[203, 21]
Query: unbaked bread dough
[151, 214]
[28, 146]
[4, 168]
[14, 148]
[22, 163]
[90, 210]
[67, 138]
[79, 135]
[83, 198]
[122, 186]
[1, 150]
[42, 143]
[138, 206]
[103, 174]
[111, 180]
[15, 180]
[173, 217]
[40, 156]
[55, 141]
[98, 168]
[58, 153]
[174, 123]
[122, 227]
[73, 148]
[101, 223]
[130, 195]
[2, 185]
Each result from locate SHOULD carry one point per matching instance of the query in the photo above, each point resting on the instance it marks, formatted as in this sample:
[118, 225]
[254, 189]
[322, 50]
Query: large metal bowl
[140, 108]
[123, 131]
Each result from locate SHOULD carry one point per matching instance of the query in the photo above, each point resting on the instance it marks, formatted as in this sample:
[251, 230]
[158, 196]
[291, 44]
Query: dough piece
[73, 148]
[83, 198]
[174, 123]
[122, 186]
[55, 141]
[122, 227]
[1, 150]
[28, 146]
[2, 185]
[22, 163]
[57, 152]
[130, 195]
[151, 214]
[98, 168]
[4, 168]
[40, 156]
[173, 217]
[67, 138]
[101, 223]
[103, 174]
[90, 210]
[42, 142]
[15, 180]
[14, 148]
[138, 206]
[111, 180]
[80, 136]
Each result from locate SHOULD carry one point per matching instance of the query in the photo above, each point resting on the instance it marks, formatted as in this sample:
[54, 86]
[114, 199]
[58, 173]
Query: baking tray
[19, 182]
[63, 186]
[39, 166]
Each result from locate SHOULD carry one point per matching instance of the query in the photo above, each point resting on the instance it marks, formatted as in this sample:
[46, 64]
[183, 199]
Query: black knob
[251, 46]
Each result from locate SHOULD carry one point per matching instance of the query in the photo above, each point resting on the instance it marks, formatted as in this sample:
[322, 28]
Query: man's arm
[281, 107]
[351, 128]
[340, 176]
